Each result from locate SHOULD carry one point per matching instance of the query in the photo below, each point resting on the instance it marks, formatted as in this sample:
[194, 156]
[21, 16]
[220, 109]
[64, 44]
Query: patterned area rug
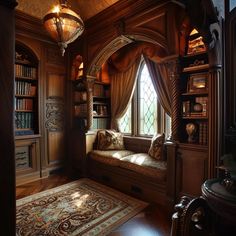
[82, 207]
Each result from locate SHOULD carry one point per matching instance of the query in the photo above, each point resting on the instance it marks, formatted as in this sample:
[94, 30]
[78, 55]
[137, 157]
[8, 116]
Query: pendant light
[63, 25]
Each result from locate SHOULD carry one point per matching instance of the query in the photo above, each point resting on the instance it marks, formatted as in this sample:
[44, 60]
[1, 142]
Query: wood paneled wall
[149, 21]
[52, 77]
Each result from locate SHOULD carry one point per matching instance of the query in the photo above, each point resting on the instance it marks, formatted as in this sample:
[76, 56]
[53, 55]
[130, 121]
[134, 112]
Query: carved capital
[89, 83]
[173, 67]
[54, 114]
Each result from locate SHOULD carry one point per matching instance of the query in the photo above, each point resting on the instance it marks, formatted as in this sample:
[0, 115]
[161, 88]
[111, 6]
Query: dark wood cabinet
[192, 165]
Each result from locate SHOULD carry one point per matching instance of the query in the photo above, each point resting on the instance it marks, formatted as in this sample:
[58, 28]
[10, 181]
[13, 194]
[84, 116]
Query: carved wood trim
[89, 86]
[173, 67]
[32, 27]
[54, 114]
[106, 52]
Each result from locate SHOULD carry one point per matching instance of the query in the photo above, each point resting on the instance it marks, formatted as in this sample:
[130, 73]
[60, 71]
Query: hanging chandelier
[63, 25]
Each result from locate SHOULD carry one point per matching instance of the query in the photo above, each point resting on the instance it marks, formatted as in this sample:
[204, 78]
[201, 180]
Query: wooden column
[89, 85]
[173, 72]
[215, 101]
[215, 124]
[7, 145]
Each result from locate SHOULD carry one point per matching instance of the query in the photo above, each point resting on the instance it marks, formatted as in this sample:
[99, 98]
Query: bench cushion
[110, 157]
[144, 164]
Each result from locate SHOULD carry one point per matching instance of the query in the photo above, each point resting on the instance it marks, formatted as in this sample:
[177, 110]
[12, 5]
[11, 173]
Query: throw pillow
[156, 148]
[110, 140]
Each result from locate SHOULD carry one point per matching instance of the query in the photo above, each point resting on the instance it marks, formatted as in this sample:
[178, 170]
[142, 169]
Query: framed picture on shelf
[197, 82]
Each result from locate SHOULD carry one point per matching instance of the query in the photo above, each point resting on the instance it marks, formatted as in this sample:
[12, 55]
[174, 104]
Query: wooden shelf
[25, 96]
[196, 68]
[194, 117]
[199, 94]
[25, 78]
[101, 116]
[24, 63]
[80, 102]
[102, 83]
[24, 110]
[197, 54]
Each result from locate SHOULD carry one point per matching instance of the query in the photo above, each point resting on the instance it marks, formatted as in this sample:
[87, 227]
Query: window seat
[141, 163]
[134, 172]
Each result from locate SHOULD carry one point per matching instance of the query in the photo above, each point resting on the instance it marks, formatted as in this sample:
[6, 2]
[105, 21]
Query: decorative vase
[191, 130]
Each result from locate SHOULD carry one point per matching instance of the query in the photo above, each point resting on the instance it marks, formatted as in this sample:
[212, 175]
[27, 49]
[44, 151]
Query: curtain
[161, 82]
[122, 89]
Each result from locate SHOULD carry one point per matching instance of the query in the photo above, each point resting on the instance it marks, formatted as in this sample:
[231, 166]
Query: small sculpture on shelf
[191, 130]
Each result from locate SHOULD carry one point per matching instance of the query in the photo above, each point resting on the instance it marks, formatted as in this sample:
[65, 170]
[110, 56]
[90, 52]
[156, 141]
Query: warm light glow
[56, 9]
[138, 159]
[81, 200]
[194, 31]
[81, 65]
[75, 195]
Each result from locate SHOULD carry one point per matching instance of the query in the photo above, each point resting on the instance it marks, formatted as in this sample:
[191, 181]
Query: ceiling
[85, 8]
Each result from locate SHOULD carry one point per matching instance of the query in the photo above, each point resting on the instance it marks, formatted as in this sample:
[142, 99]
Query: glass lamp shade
[63, 25]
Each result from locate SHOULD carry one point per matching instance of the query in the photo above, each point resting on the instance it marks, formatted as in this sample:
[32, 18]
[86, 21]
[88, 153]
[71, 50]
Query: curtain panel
[122, 89]
[161, 82]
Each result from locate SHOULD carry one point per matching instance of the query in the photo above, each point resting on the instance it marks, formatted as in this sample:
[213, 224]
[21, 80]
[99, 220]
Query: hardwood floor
[153, 221]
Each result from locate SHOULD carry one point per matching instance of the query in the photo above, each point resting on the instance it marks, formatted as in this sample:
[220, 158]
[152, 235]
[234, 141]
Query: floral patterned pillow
[156, 148]
[110, 140]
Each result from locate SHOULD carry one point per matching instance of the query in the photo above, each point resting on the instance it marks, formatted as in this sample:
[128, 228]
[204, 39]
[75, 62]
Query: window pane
[147, 104]
[167, 126]
[125, 122]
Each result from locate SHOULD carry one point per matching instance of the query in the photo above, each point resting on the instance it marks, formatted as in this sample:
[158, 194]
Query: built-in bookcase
[27, 135]
[100, 105]
[194, 98]
[26, 93]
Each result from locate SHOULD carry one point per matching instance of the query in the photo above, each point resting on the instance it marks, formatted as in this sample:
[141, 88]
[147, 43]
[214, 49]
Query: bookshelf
[101, 105]
[27, 135]
[194, 119]
[26, 93]
[98, 110]
[194, 99]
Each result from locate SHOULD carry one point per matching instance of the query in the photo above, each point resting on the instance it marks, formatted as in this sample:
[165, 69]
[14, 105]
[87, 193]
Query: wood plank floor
[153, 221]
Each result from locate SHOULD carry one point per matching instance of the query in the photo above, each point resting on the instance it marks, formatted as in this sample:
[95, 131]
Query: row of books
[100, 110]
[98, 90]
[80, 96]
[81, 110]
[100, 123]
[189, 108]
[24, 104]
[203, 133]
[24, 88]
[24, 120]
[25, 71]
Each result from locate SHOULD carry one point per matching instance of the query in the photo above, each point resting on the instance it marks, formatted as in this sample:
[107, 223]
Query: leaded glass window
[147, 100]
[125, 122]
[145, 116]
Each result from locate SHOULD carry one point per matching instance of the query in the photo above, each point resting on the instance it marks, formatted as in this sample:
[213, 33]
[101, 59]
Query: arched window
[145, 116]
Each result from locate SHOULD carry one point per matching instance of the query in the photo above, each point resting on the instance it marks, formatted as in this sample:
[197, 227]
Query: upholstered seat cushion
[144, 164]
[110, 157]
